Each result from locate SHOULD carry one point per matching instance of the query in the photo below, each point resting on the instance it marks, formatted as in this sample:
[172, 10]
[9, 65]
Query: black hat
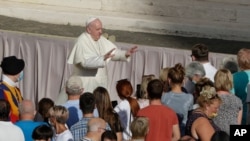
[11, 65]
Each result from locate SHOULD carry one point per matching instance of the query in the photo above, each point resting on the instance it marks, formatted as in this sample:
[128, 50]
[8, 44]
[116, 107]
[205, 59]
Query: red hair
[125, 90]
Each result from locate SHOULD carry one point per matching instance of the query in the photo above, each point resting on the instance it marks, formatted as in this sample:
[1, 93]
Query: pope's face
[95, 29]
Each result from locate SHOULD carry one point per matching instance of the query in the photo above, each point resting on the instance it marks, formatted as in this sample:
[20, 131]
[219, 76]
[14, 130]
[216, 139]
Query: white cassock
[88, 58]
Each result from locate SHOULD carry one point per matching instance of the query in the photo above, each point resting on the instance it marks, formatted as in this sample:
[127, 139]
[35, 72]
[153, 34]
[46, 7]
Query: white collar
[7, 80]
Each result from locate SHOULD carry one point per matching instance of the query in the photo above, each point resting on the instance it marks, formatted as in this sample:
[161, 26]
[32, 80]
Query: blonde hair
[164, 74]
[207, 96]
[139, 127]
[60, 113]
[223, 80]
[164, 78]
[144, 84]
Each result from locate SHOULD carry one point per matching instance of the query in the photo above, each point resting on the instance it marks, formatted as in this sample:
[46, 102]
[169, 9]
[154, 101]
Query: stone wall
[221, 19]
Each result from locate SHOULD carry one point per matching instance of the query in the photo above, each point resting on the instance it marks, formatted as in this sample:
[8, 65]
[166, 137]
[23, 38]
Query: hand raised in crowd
[131, 51]
[109, 54]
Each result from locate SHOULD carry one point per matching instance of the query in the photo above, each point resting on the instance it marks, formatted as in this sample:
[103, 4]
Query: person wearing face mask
[194, 71]
[200, 124]
[12, 73]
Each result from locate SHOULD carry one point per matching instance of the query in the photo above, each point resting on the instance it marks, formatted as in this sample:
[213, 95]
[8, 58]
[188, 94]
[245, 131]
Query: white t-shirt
[143, 103]
[210, 70]
[124, 111]
[10, 132]
[64, 136]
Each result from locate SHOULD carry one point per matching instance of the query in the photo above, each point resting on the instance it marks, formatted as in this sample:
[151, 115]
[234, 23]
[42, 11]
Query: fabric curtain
[46, 69]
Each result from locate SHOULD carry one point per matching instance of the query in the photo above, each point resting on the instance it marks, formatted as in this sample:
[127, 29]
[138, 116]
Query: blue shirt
[75, 113]
[240, 82]
[181, 103]
[79, 129]
[27, 127]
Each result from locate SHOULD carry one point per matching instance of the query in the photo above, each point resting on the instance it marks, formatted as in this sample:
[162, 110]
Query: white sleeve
[120, 55]
[93, 62]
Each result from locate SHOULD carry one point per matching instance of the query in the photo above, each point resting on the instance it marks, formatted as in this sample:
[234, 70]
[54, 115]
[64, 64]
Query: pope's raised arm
[91, 54]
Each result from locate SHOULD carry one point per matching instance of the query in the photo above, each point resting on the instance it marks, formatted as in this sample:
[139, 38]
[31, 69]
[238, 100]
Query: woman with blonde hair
[107, 112]
[58, 115]
[200, 124]
[163, 77]
[128, 107]
[143, 100]
[231, 107]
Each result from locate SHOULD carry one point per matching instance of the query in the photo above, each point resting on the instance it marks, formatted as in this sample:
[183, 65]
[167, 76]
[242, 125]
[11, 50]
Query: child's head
[108, 136]
[42, 133]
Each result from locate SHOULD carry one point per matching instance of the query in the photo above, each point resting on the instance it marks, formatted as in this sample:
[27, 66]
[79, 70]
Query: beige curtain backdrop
[46, 69]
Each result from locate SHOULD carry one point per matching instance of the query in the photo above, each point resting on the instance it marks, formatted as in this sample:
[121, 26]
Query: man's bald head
[96, 124]
[26, 107]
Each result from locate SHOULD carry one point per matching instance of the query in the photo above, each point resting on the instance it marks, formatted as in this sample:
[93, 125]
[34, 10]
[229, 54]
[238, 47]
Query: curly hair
[207, 96]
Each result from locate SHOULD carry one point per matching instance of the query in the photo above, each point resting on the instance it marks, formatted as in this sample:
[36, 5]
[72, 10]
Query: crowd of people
[185, 103]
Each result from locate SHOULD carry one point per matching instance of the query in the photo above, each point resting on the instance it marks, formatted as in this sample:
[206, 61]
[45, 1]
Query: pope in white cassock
[92, 52]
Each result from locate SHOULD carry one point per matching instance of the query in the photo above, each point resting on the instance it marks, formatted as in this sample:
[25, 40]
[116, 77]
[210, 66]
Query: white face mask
[20, 76]
[50, 123]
